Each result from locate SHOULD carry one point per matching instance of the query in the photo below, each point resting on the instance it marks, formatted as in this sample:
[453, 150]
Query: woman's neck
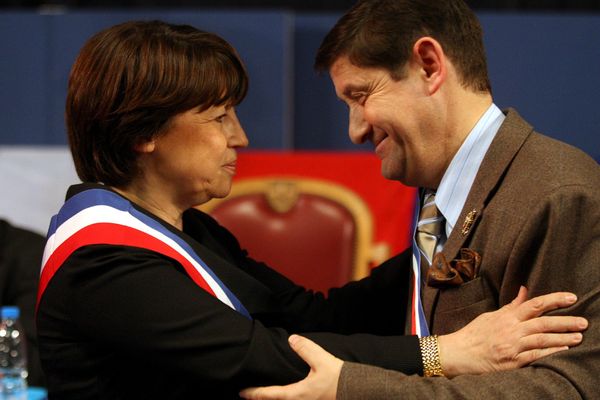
[155, 202]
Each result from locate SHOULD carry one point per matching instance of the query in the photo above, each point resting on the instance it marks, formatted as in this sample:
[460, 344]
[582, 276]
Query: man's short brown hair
[381, 34]
[131, 79]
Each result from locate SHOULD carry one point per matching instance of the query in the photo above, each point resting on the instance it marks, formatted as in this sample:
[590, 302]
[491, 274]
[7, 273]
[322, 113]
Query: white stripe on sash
[106, 214]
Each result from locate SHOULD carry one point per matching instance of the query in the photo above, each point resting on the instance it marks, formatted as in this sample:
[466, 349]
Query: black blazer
[125, 322]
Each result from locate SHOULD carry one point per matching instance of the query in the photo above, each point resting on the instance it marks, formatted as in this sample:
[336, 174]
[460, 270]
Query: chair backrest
[318, 233]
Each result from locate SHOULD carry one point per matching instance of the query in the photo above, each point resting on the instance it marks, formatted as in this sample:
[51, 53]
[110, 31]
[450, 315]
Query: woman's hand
[320, 384]
[512, 336]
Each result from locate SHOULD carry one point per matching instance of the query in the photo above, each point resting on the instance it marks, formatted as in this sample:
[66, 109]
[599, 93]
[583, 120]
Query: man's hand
[511, 337]
[320, 384]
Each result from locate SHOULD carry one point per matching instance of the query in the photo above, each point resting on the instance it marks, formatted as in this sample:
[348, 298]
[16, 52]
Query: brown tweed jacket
[537, 204]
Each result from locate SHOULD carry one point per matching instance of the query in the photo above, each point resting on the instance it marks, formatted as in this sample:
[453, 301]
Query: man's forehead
[342, 65]
[347, 76]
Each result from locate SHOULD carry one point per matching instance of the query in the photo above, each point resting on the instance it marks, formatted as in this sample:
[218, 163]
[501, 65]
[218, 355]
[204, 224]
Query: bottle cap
[9, 312]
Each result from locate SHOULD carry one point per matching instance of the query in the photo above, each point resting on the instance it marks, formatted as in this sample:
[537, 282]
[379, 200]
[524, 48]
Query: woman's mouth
[230, 167]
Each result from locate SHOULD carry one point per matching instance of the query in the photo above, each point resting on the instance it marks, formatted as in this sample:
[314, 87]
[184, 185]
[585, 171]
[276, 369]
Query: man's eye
[221, 118]
[359, 97]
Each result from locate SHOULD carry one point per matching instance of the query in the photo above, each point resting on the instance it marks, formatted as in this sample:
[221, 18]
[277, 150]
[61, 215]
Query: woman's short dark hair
[381, 33]
[131, 79]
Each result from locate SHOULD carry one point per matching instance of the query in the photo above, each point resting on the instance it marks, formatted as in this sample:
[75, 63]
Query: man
[413, 74]
[20, 260]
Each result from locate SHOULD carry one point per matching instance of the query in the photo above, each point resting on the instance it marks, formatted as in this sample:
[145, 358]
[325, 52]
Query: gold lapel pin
[469, 219]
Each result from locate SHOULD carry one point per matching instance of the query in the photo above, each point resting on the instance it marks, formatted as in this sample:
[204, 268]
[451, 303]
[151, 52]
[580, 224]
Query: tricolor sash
[418, 323]
[99, 216]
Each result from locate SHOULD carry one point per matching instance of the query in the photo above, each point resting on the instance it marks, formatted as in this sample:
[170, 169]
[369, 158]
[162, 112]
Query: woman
[143, 296]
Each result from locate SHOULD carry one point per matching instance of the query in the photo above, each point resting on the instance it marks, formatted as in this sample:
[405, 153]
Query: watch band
[430, 352]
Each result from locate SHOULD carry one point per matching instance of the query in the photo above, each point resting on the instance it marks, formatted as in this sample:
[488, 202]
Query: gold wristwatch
[430, 352]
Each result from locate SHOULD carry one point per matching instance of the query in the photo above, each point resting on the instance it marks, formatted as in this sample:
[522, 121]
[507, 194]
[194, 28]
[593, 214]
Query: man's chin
[394, 175]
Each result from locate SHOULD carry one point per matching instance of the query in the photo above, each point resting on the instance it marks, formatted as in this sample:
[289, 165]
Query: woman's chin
[220, 193]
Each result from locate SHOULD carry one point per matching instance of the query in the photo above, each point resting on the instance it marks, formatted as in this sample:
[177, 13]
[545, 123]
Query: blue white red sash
[418, 323]
[98, 216]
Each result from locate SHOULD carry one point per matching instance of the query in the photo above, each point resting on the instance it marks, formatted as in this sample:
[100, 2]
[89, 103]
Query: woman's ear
[145, 147]
[429, 56]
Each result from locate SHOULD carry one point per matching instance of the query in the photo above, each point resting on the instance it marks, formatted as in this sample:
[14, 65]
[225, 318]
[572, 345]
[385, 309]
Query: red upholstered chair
[318, 233]
[321, 218]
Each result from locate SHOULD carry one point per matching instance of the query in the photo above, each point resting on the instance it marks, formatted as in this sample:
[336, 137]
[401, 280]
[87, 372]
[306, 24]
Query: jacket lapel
[507, 143]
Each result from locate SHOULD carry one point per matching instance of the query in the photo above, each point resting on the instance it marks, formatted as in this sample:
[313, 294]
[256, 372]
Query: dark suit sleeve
[558, 249]
[143, 303]
[375, 305]
[372, 306]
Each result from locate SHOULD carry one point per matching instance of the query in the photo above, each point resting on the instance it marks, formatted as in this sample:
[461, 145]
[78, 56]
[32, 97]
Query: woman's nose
[238, 136]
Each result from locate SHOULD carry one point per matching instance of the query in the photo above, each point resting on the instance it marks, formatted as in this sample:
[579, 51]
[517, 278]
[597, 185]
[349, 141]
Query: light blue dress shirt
[458, 179]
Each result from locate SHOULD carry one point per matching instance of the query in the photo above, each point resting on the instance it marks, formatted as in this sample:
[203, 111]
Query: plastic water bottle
[13, 359]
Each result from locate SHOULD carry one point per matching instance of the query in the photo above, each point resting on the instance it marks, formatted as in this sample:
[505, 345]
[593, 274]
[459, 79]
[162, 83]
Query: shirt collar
[458, 178]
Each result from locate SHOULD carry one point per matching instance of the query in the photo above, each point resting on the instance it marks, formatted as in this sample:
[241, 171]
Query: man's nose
[358, 128]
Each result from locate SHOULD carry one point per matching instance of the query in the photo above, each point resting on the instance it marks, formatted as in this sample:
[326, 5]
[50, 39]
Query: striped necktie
[430, 230]
[428, 233]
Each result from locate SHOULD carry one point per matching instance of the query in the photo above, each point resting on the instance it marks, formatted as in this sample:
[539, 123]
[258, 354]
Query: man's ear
[429, 56]
[145, 147]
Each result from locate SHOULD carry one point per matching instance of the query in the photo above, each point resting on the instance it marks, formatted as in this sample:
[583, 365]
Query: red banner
[391, 203]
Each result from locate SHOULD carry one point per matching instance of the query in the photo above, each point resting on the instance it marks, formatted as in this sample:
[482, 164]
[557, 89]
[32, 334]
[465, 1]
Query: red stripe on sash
[114, 234]
[413, 313]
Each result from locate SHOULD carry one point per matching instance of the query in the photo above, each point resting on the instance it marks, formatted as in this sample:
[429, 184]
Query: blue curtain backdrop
[545, 65]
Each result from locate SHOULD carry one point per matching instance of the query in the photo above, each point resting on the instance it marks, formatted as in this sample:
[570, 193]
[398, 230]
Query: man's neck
[468, 108]
[465, 108]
